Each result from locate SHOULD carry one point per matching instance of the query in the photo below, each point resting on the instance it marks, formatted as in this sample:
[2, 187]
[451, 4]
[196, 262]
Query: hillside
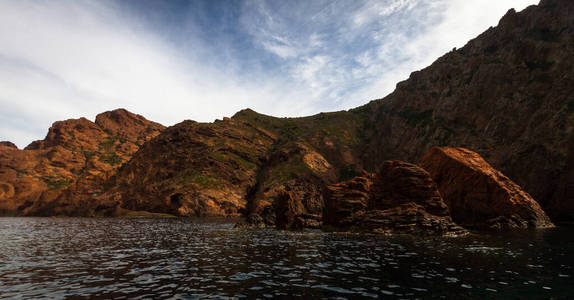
[55, 176]
[507, 95]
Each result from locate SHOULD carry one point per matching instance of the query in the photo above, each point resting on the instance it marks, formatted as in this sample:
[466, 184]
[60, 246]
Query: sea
[117, 258]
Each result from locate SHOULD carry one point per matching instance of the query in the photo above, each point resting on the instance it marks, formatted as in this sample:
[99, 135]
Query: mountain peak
[120, 122]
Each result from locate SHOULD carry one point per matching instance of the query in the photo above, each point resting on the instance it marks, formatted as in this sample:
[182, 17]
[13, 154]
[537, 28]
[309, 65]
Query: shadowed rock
[292, 212]
[480, 196]
[506, 94]
[401, 198]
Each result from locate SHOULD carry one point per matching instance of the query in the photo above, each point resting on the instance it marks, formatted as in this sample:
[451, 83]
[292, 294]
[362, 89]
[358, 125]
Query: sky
[202, 60]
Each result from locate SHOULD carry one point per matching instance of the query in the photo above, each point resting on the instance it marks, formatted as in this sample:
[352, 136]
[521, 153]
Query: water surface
[76, 258]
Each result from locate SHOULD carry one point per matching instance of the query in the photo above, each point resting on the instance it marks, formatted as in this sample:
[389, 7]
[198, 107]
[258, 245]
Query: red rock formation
[292, 214]
[8, 144]
[478, 195]
[401, 198]
[347, 199]
[399, 182]
[193, 169]
[129, 126]
[60, 174]
[507, 94]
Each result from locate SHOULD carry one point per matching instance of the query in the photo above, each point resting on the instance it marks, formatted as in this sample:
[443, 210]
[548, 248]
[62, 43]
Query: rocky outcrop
[480, 196]
[507, 94]
[61, 174]
[292, 181]
[401, 198]
[129, 126]
[193, 169]
[8, 144]
[292, 213]
[346, 200]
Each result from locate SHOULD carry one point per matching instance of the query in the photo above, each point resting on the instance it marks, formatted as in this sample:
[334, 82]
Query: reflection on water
[188, 259]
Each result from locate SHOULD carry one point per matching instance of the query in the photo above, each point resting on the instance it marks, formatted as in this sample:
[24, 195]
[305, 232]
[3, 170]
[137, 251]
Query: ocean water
[83, 258]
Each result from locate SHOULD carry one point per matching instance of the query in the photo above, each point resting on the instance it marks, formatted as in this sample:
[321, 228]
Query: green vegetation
[542, 78]
[343, 127]
[348, 172]
[108, 148]
[493, 61]
[290, 131]
[539, 65]
[111, 159]
[108, 144]
[291, 169]
[88, 154]
[228, 156]
[415, 118]
[543, 34]
[490, 49]
[20, 173]
[196, 177]
[55, 184]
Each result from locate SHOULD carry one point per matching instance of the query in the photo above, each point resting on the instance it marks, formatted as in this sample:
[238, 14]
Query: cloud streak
[64, 59]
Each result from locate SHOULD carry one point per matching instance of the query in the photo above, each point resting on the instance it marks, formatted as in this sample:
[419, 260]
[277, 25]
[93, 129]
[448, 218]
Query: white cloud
[450, 23]
[67, 59]
[280, 49]
[375, 10]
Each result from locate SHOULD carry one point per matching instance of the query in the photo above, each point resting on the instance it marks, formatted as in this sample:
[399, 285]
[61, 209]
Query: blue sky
[202, 60]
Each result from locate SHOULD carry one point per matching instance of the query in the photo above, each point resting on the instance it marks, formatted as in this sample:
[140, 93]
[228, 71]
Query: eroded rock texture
[507, 94]
[480, 196]
[61, 174]
[401, 198]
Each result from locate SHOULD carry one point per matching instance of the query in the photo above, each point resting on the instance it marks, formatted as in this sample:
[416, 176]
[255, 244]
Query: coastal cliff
[506, 96]
[58, 175]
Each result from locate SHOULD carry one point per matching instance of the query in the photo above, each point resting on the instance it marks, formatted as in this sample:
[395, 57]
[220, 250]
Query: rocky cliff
[506, 95]
[400, 198]
[58, 175]
[478, 195]
[239, 165]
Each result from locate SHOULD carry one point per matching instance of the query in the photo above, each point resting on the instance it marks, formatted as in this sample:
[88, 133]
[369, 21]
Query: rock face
[60, 174]
[242, 165]
[480, 196]
[401, 198]
[507, 94]
[347, 200]
[129, 126]
[287, 207]
[8, 144]
[193, 169]
[297, 208]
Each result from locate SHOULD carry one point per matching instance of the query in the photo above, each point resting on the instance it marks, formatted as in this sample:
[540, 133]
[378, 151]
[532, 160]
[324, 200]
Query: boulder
[292, 214]
[401, 198]
[480, 196]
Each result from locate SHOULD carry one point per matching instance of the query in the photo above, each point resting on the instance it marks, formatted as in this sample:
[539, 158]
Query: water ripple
[75, 258]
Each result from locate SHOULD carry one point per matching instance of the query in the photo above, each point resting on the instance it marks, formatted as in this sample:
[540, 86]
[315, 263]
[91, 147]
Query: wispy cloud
[63, 59]
[376, 10]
